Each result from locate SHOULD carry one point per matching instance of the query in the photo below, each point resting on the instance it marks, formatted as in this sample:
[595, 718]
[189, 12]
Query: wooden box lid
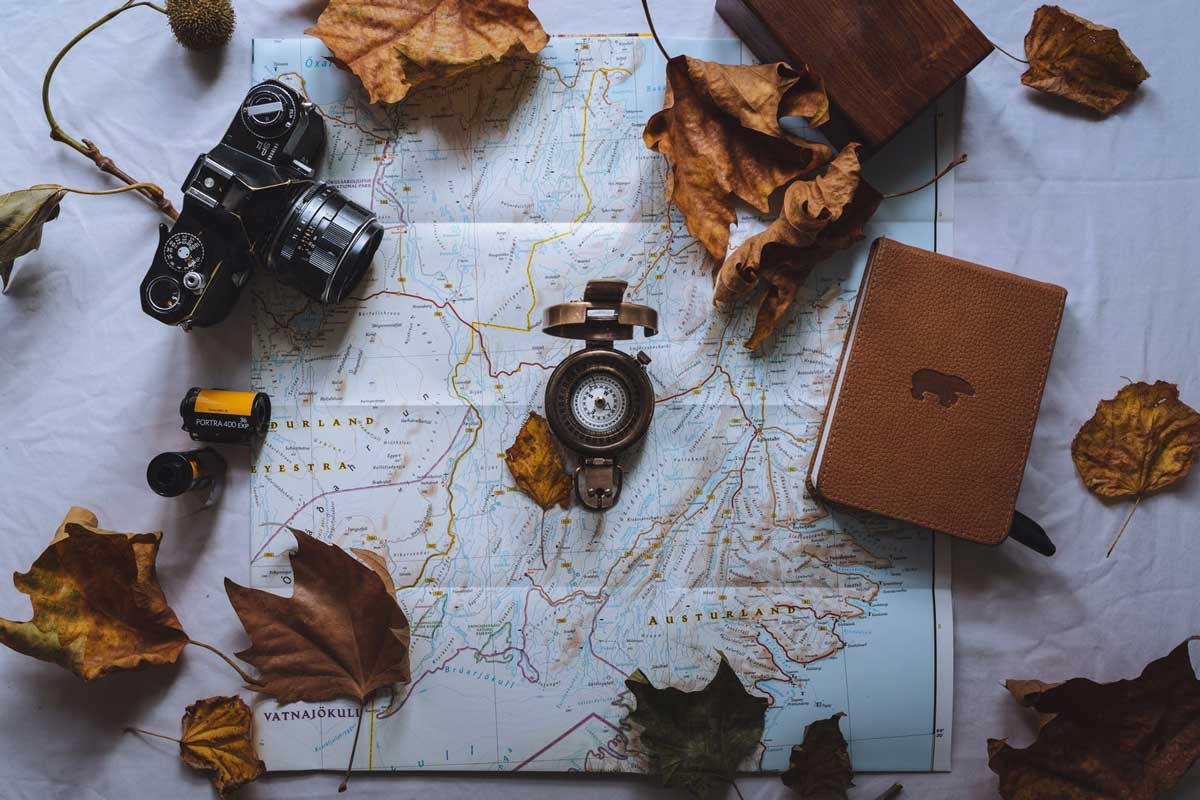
[883, 61]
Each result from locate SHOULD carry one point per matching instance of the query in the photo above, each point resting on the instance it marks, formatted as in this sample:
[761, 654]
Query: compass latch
[598, 483]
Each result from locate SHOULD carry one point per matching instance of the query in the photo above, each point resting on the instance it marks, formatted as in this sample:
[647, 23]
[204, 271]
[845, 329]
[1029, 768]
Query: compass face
[599, 403]
[184, 252]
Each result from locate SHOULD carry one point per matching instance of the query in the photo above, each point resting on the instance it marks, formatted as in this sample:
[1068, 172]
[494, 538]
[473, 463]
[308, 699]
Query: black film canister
[219, 415]
[172, 474]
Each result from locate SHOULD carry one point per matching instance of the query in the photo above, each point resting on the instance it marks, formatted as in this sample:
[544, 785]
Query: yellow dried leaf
[394, 46]
[719, 129]
[820, 216]
[22, 215]
[1080, 60]
[97, 605]
[536, 464]
[218, 739]
[1140, 441]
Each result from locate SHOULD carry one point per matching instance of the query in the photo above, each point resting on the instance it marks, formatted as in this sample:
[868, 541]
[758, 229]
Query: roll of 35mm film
[220, 415]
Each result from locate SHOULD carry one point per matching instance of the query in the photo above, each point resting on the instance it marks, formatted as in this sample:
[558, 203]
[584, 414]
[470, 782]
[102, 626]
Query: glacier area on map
[501, 195]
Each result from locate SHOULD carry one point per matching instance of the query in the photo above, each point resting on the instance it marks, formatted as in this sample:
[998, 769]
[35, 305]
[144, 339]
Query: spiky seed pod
[201, 24]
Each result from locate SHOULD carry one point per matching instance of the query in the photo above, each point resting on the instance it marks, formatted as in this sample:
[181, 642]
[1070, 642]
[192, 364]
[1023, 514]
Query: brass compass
[599, 400]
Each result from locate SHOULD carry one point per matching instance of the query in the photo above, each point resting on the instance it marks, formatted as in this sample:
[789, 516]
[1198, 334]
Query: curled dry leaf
[820, 216]
[536, 463]
[697, 740]
[394, 46]
[218, 738]
[1080, 60]
[22, 215]
[97, 605]
[719, 129]
[1140, 441]
[1127, 740]
[819, 769]
[340, 634]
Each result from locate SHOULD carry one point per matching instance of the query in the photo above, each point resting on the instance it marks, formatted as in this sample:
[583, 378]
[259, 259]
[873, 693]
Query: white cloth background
[90, 386]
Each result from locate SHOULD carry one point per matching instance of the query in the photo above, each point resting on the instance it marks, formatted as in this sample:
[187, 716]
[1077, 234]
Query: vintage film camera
[252, 200]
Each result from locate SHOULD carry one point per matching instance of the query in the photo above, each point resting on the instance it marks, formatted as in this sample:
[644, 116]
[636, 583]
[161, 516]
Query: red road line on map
[315, 498]
[482, 345]
[564, 735]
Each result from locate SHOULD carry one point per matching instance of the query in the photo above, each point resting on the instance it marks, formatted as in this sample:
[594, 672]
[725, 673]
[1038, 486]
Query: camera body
[252, 200]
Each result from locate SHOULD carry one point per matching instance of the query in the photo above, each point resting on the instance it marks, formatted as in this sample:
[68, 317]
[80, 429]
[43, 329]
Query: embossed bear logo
[948, 389]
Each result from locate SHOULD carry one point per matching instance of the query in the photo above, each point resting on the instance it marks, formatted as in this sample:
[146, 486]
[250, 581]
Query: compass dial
[184, 252]
[599, 403]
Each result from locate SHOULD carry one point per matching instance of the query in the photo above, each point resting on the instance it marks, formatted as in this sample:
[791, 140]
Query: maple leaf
[536, 463]
[1140, 441]
[820, 216]
[394, 46]
[1127, 740]
[22, 215]
[1080, 60]
[97, 605]
[340, 634]
[819, 768]
[719, 129]
[218, 739]
[698, 739]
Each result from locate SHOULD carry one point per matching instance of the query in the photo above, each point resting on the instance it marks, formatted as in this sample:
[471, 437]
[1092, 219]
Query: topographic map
[501, 195]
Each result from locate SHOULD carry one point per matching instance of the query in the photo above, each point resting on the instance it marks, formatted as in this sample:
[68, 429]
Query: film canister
[218, 415]
[172, 474]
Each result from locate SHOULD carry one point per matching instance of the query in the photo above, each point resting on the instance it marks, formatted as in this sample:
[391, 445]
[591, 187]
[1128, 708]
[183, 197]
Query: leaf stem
[1010, 55]
[88, 148]
[1124, 526]
[654, 33]
[357, 730]
[944, 172]
[892, 792]
[227, 660]
[131, 729]
[119, 190]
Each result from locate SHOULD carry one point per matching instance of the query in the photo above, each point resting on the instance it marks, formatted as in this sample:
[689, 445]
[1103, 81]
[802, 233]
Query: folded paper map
[392, 413]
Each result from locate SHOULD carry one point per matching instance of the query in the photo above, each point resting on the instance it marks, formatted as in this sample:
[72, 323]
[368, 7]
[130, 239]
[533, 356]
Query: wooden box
[883, 61]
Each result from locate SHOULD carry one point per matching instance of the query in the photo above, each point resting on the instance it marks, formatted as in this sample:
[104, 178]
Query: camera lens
[325, 244]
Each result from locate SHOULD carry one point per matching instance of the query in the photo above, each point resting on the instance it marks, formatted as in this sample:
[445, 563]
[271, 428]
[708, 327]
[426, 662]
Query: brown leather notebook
[937, 391]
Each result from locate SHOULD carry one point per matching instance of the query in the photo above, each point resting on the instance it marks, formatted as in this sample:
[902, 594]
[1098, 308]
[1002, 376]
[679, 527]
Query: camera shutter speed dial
[184, 252]
[269, 111]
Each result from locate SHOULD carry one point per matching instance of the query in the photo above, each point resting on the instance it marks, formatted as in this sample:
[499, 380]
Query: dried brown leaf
[22, 215]
[1080, 60]
[218, 738]
[97, 605]
[1140, 441]
[536, 463]
[820, 216]
[1127, 740]
[719, 129]
[697, 740]
[340, 634]
[394, 46]
[378, 565]
[819, 769]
